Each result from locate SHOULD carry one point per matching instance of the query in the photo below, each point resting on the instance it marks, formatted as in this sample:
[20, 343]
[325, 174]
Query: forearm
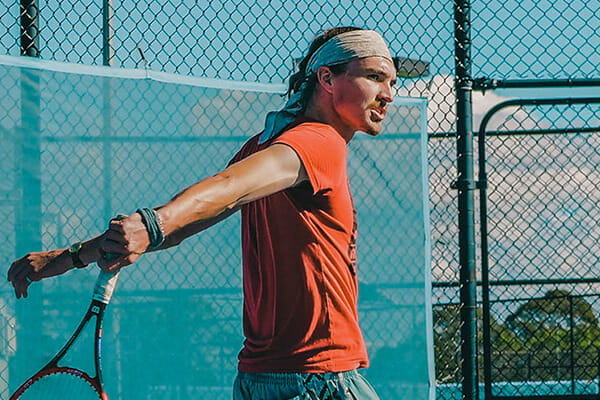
[88, 254]
[198, 207]
[180, 235]
[201, 205]
[44, 264]
[90, 250]
[259, 175]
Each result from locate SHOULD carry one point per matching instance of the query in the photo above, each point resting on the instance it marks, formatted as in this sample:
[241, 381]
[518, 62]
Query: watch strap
[74, 253]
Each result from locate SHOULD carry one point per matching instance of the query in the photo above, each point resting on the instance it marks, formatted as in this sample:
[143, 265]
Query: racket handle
[105, 286]
[107, 281]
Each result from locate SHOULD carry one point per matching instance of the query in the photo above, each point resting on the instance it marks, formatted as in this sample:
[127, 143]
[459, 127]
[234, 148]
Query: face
[361, 94]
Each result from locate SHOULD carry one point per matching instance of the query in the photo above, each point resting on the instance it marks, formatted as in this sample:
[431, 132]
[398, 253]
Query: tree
[555, 329]
[557, 310]
[446, 341]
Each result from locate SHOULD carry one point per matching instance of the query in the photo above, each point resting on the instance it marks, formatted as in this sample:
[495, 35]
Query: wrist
[74, 252]
[90, 251]
[154, 227]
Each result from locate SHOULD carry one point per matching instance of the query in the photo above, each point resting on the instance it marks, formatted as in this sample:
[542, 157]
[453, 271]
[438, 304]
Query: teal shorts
[327, 386]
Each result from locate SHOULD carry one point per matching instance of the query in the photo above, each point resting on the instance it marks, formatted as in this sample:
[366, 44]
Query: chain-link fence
[540, 249]
[259, 41]
[110, 143]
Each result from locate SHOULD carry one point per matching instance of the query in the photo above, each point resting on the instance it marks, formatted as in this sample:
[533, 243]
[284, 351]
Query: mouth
[378, 114]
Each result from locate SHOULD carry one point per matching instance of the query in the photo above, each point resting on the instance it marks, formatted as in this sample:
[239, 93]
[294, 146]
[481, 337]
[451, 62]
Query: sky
[258, 40]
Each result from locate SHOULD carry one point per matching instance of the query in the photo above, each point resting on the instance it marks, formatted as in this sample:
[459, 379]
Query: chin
[373, 130]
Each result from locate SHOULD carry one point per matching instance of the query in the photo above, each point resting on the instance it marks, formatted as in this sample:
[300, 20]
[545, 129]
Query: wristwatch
[74, 253]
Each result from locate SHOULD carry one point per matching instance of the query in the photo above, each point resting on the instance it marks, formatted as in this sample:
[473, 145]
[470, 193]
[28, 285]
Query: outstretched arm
[38, 265]
[206, 202]
[193, 210]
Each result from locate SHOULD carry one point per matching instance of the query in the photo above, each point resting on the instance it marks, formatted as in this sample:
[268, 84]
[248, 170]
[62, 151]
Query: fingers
[19, 275]
[20, 289]
[20, 286]
[112, 262]
[125, 240]
[122, 244]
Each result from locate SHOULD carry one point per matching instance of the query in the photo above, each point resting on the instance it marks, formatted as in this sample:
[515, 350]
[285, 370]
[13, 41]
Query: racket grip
[106, 281]
[105, 286]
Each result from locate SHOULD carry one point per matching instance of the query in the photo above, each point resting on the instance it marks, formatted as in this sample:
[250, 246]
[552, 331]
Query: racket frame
[96, 309]
[102, 294]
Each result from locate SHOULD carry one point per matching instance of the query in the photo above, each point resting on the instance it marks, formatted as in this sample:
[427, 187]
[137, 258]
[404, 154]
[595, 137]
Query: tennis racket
[55, 382]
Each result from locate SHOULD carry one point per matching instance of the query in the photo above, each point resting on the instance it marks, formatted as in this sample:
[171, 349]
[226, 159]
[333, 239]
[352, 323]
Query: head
[339, 62]
[348, 79]
[355, 100]
[301, 76]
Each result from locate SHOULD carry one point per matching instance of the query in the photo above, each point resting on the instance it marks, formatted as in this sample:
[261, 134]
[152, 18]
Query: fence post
[107, 60]
[28, 234]
[30, 33]
[466, 204]
[28, 210]
[107, 32]
[28, 225]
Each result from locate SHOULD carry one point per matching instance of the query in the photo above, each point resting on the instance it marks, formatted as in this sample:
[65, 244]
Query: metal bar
[524, 132]
[107, 33]
[485, 272]
[523, 299]
[534, 132]
[483, 84]
[520, 282]
[30, 33]
[485, 282]
[572, 343]
[466, 200]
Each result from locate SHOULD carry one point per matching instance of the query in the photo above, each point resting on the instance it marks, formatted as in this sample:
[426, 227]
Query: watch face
[74, 252]
[75, 247]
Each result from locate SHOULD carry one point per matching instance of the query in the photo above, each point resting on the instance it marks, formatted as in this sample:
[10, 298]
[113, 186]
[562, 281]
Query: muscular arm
[194, 209]
[266, 172]
[180, 235]
[208, 201]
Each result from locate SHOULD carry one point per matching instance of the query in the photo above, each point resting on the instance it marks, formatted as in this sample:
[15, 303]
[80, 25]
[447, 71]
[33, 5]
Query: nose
[385, 94]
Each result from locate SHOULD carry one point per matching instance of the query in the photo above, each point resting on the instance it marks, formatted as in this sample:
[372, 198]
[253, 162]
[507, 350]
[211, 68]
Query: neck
[321, 110]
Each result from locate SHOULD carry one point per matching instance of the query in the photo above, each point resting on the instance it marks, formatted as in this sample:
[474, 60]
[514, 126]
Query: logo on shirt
[352, 247]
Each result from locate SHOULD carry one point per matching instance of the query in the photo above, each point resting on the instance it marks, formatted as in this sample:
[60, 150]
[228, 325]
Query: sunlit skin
[355, 100]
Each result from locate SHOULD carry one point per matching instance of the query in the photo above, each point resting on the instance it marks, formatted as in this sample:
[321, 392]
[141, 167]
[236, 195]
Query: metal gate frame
[482, 186]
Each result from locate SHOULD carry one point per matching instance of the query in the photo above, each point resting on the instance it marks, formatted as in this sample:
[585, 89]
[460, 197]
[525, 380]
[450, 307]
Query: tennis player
[300, 318]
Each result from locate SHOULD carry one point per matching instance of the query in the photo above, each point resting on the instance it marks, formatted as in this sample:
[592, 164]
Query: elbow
[221, 196]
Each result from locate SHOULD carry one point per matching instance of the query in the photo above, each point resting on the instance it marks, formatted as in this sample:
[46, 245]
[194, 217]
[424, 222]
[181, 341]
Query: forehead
[379, 64]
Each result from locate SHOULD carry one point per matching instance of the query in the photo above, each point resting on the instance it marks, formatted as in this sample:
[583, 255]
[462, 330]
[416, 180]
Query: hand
[124, 242]
[36, 266]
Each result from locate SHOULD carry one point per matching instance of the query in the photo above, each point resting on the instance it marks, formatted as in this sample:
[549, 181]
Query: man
[298, 226]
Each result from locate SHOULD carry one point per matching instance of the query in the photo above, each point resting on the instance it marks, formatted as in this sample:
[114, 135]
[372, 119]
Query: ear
[325, 79]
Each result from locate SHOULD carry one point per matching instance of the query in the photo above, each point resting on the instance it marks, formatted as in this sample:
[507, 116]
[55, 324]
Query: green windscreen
[82, 144]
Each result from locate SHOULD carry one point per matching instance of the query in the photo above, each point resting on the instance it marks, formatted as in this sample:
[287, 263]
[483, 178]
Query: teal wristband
[153, 226]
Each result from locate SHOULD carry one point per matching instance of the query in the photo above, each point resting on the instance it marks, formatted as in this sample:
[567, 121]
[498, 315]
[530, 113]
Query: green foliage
[555, 337]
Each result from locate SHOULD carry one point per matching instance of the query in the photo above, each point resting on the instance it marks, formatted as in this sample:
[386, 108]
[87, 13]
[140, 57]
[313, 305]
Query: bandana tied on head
[340, 49]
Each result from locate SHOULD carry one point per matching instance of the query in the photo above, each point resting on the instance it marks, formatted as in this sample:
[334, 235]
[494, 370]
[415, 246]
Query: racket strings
[61, 386]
